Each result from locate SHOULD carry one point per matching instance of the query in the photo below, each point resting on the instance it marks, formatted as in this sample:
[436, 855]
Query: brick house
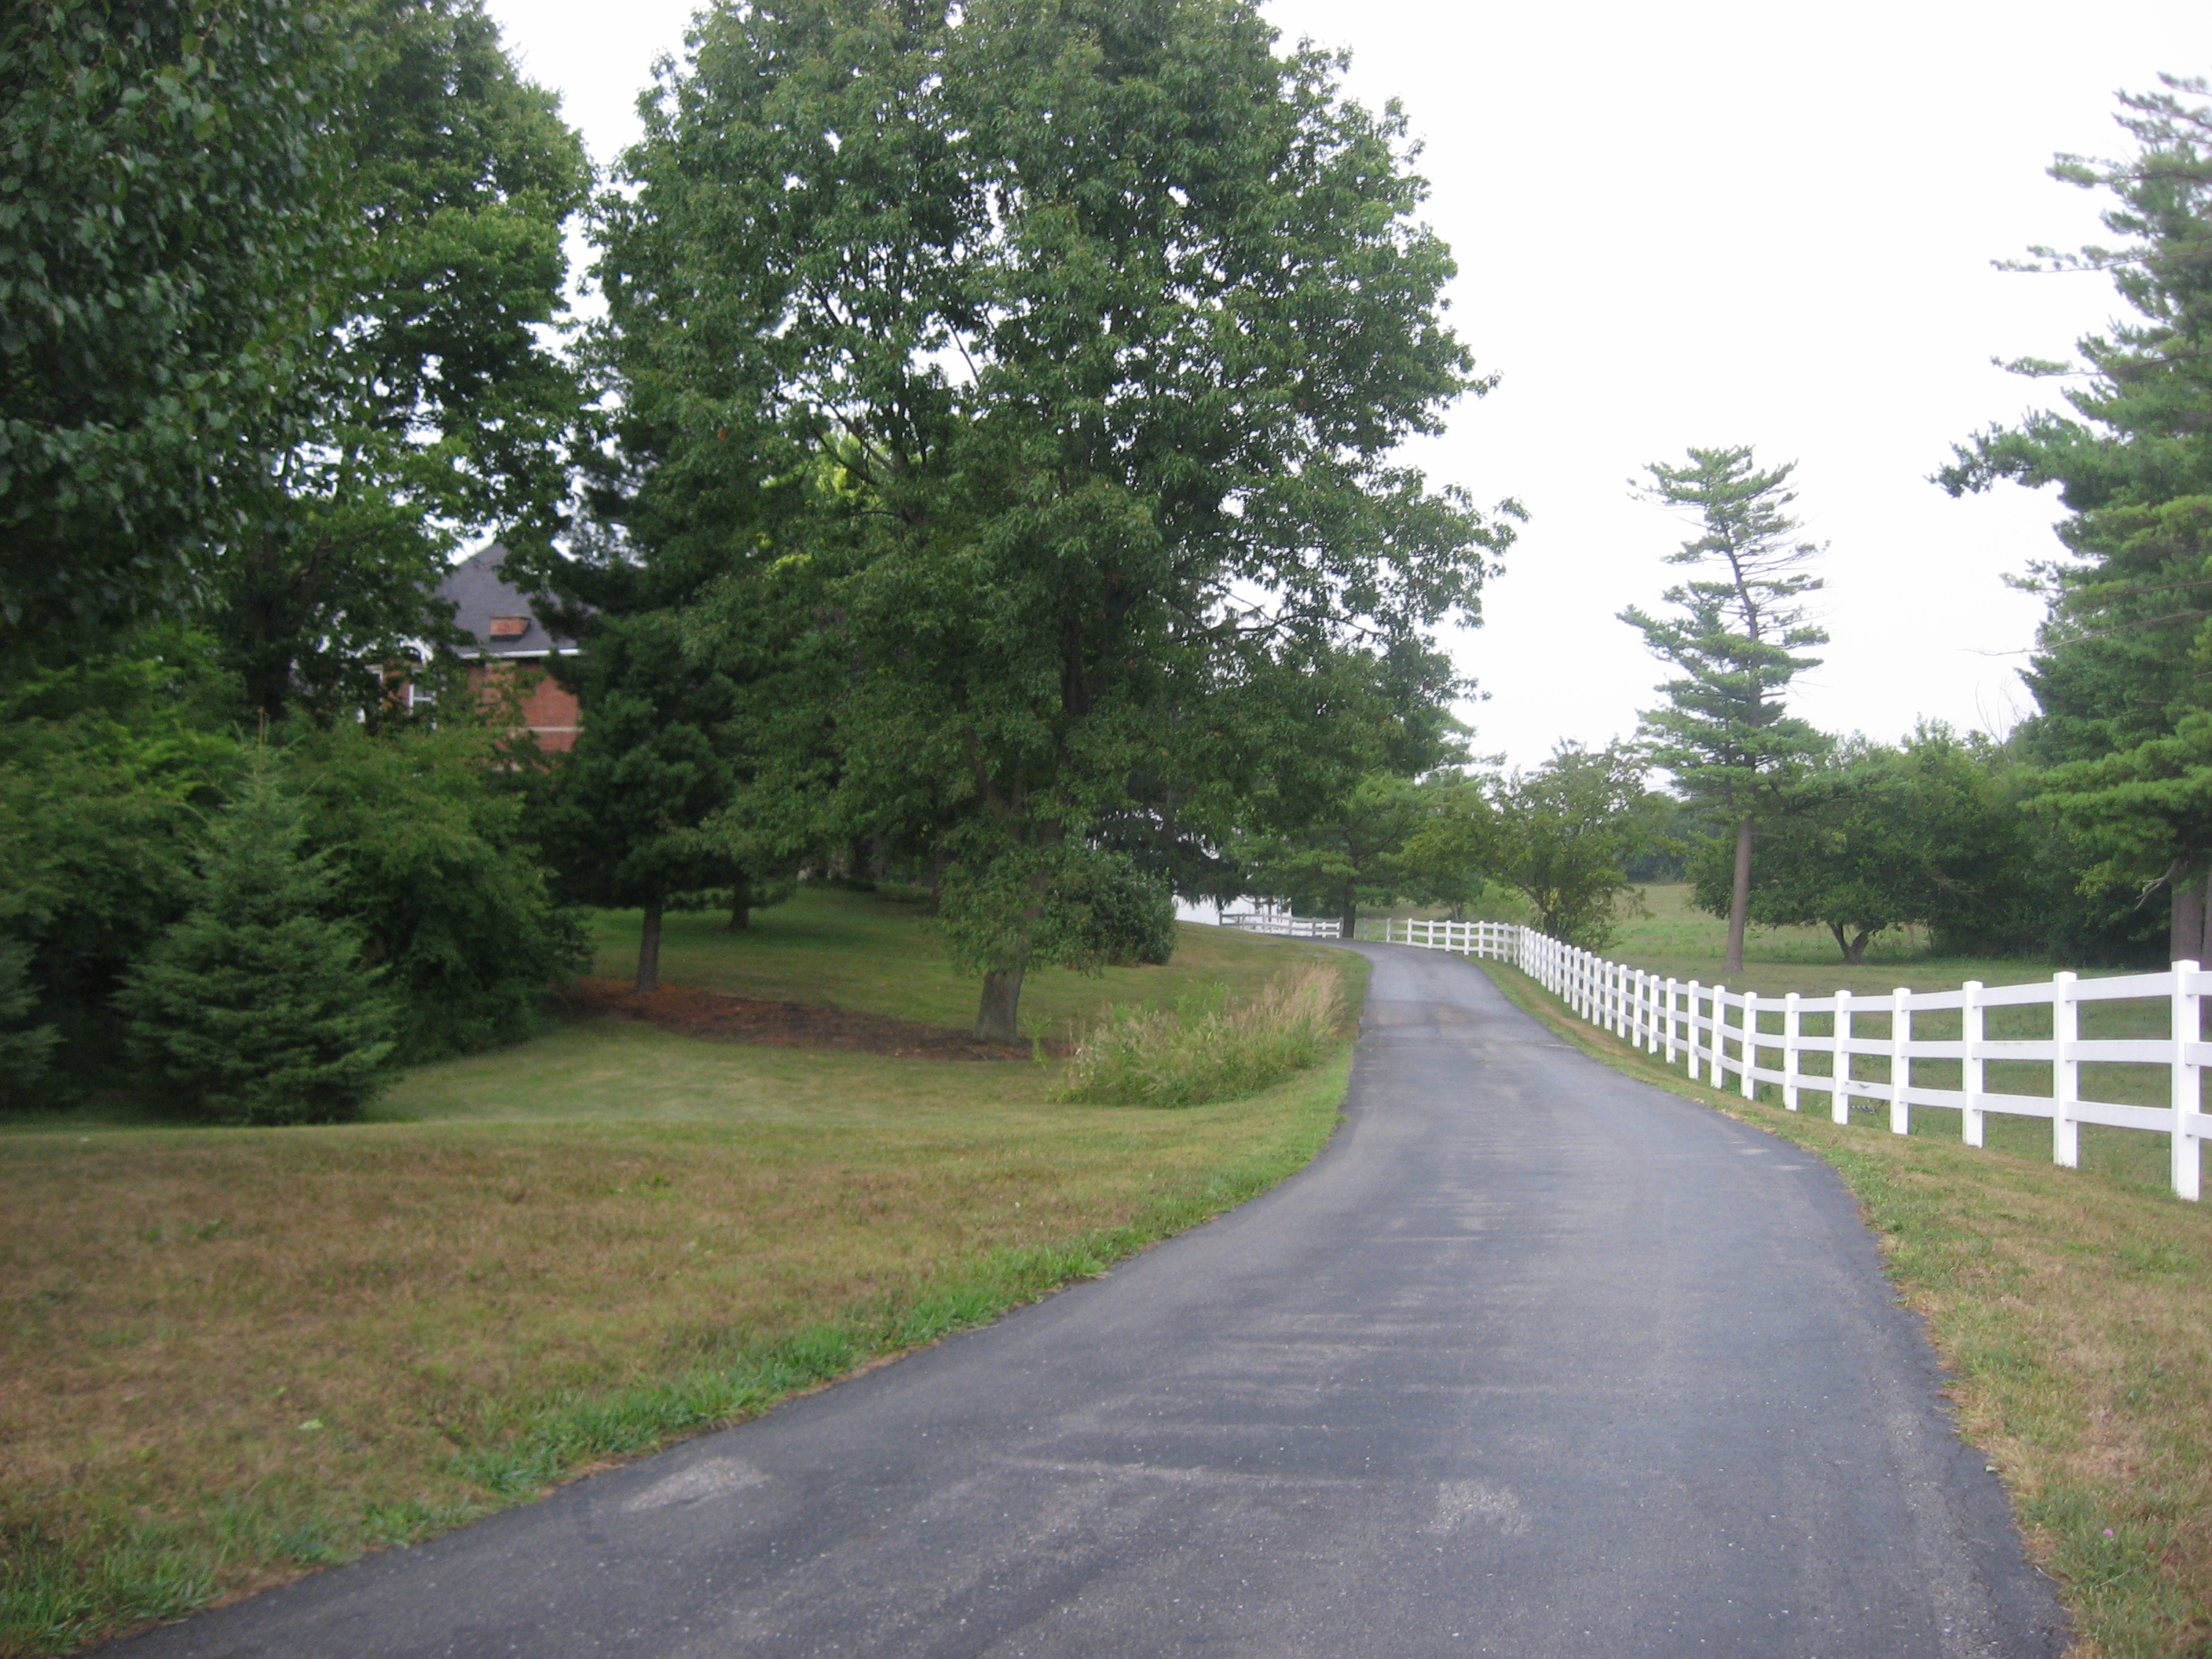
[509, 647]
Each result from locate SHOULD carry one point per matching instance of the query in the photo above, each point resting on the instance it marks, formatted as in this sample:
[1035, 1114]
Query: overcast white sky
[1706, 223]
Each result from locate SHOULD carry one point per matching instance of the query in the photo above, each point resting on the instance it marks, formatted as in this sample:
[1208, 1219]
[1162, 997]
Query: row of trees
[983, 467]
[2102, 801]
[2061, 839]
[997, 473]
[1938, 833]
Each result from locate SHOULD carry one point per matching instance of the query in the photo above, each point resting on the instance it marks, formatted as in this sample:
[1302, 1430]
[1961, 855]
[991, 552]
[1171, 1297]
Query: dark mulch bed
[780, 1024]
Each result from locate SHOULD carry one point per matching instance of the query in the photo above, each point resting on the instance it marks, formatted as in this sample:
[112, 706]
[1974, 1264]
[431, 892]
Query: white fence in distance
[1283, 922]
[1716, 1032]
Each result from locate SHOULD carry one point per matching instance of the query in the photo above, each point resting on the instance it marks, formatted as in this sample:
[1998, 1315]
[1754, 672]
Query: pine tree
[2122, 668]
[1725, 733]
[256, 1006]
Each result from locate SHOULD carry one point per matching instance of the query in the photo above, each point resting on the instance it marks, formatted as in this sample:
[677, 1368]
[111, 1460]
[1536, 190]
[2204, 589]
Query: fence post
[1792, 1024]
[1900, 1064]
[2066, 1073]
[1690, 1031]
[1750, 1043]
[1716, 1075]
[1972, 1077]
[2187, 1091]
[1637, 1021]
[1839, 1099]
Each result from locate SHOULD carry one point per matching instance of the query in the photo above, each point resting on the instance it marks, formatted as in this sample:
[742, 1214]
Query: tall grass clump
[1199, 1050]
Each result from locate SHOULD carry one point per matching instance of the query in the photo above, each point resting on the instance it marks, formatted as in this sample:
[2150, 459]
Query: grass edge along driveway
[480, 1307]
[2073, 1313]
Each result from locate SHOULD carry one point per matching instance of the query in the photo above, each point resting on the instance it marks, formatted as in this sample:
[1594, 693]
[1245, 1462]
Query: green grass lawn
[881, 954]
[230, 1355]
[1671, 936]
[2071, 1308]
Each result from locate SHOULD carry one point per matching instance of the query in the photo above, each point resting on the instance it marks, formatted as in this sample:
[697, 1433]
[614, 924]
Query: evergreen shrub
[256, 1007]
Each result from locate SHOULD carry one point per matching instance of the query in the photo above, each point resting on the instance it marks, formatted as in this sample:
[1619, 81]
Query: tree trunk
[1740, 899]
[996, 1020]
[878, 866]
[2185, 934]
[649, 949]
[1349, 920]
[741, 905]
[1854, 950]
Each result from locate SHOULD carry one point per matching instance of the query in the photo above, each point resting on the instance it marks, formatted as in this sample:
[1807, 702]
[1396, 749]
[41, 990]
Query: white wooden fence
[1717, 1034]
[1283, 922]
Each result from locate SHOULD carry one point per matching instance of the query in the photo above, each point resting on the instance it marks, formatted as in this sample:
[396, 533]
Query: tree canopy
[1564, 832]
[168, 224]
[434, 403]
[1047, 362]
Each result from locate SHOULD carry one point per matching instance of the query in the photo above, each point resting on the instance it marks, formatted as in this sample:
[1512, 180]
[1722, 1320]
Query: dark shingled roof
[480, 595]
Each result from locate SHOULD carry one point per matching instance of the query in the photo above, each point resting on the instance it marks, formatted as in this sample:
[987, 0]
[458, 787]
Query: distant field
[1673, 937]
[229, 1355]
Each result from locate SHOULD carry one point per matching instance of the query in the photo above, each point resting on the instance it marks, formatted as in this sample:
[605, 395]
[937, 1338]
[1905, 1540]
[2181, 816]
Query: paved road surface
[1534, 1361]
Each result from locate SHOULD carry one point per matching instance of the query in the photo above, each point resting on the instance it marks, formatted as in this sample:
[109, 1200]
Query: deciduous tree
[1877, 836]
[434, 404]
[170, 215]
[1056, 353]
[1563, 834]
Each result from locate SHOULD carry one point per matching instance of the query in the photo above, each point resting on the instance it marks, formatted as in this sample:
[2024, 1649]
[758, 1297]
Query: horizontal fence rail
[1289, 926]
[1906, 1040]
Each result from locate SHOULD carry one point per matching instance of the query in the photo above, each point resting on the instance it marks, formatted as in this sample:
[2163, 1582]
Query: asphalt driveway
[1536, 1360]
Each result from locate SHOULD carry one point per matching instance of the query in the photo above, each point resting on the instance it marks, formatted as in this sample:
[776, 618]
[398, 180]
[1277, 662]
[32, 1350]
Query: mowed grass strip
[2074, 1311]
[232, 1355]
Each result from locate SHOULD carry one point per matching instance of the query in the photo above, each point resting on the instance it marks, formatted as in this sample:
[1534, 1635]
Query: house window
[509, 627]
